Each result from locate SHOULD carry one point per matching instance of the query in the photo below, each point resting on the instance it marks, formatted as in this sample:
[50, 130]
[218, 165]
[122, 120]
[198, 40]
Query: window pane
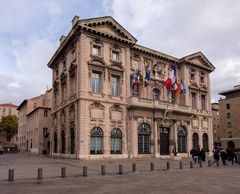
[115, 86]
[96, 50]
[96, 82]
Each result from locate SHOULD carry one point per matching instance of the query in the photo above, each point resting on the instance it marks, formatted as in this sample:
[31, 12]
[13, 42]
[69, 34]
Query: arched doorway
[182, 140]
[195, 142]
[144, 133]
[72, 141]
[116, 141]
[96, 141]
[55, 142]
[63, 136]
[205, 141]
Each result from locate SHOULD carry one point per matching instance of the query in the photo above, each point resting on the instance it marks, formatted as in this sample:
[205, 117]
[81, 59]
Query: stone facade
[7, 109]
[98, 113]
[229, 118]
[34, 123]
[216, 124]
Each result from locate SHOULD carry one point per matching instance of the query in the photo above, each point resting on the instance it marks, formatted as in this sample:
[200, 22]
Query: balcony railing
[157, 104]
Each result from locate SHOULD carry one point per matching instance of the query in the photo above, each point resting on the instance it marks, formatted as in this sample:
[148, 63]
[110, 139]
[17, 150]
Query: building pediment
[109, 26]
[198, 59]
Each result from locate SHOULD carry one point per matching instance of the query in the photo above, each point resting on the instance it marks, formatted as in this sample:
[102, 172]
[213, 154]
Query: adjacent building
[7, 109]
[34, 123]
[230, 118]
[216, 124]
[110, 98]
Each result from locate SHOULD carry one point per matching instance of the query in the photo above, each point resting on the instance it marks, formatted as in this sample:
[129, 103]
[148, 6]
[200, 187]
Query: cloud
[183, 27]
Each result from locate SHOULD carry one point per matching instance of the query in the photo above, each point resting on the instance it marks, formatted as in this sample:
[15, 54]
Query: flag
[184, 88]
[173, 74]
[138, 77]
[176, 89]
[135, 76]
[147, 78]
[143, 75]
[181, 89]
[168, 84]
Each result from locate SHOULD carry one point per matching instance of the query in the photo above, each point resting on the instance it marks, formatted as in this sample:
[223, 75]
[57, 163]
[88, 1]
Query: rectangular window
[228, 106]
[115, 55]
[229, 125]
[203, 103]
[96, 82]
[115, 86]
[34, 105]
[228, 115]
[193, 100]
[229, 134]
[192, 76]
[202, 76]
[45, 113]
[96, 50]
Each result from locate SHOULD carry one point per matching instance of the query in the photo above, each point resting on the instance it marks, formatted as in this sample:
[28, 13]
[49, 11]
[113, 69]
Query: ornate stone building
[99, 111]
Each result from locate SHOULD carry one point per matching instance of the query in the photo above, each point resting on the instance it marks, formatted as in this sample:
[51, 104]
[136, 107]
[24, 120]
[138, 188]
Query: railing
[156, 104]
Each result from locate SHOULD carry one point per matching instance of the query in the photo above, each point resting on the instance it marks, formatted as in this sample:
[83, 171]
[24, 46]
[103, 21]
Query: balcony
[146, 103]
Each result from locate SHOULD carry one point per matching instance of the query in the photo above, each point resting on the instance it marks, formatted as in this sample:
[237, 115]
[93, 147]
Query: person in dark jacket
[203, 154]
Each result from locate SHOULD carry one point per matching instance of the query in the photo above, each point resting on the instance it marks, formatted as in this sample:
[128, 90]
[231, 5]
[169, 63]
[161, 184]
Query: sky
[30, 32]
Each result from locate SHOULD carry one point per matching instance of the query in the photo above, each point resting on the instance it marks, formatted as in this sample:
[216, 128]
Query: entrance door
[164, 141]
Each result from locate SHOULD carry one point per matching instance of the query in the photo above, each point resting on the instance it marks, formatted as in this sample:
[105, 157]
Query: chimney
[74, 20]
[62, 39]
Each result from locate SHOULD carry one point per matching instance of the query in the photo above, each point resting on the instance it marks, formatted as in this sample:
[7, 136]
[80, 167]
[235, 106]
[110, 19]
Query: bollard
[85, 171]
[168, 165]
[11, 175]
[191, 164]
[120, 169]
[152, 166]
[134, 167]
[40, 174]
[63, 172]
[180, 164]
[209, 163]
[200, 164]
[103, 170]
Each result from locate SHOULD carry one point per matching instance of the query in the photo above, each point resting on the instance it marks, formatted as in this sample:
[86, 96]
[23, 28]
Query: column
[133, 138]
[155, 137]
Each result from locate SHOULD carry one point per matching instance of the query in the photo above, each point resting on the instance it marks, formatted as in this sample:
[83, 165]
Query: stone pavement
[221, 179]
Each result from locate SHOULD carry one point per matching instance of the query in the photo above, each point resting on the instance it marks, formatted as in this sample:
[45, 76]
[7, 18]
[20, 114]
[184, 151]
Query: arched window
[182, 140]
[144, 133]
[156, 94]
[55, 142]
[195, 140]
[96, 141]
[72, 141]
[205, 141]
[63, 141]
[116, 141]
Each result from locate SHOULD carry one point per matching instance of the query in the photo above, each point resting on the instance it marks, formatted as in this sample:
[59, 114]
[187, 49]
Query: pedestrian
[203, 154]
[215, 156]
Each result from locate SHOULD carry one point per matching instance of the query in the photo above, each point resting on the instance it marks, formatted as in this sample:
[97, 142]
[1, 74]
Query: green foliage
[9, 124]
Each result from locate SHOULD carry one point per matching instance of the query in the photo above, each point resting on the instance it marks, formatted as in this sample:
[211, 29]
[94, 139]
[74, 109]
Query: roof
[23, 102]
[38, 109]
[9, 105]
[235, 89]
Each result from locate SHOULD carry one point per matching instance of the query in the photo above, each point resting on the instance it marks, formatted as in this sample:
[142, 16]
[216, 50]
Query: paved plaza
[215, 179]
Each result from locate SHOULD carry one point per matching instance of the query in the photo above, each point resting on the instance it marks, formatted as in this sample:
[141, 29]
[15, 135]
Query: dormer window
[96, 50]
[115, 56]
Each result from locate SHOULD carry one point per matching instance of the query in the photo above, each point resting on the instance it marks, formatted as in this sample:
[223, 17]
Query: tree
[9, 124]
